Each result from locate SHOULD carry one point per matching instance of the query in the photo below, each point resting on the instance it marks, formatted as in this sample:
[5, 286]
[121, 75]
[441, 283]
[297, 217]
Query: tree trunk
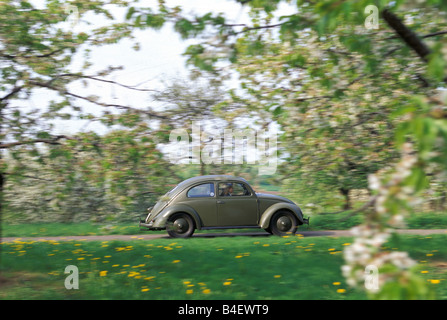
[345, 192]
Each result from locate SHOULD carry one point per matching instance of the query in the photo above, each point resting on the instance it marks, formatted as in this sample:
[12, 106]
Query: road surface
[149, 236]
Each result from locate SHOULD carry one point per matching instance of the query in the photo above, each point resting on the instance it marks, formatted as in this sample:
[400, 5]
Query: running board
[231, 227]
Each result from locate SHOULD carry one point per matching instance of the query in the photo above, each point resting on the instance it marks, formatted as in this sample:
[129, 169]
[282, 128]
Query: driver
[228, 191]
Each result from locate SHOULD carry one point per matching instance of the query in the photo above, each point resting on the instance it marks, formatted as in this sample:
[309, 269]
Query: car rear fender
[161, 219]
[268, 213]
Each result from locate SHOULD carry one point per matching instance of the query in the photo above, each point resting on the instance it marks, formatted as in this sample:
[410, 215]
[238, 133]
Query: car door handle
[220, 202]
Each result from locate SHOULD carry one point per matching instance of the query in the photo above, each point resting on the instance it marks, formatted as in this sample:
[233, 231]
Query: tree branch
[102, 104]
[407, 35]
[54, 141]
[106, 81]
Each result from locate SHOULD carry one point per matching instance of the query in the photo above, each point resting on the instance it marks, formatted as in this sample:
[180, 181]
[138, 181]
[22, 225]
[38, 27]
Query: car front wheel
[180, 225]
[283, 223]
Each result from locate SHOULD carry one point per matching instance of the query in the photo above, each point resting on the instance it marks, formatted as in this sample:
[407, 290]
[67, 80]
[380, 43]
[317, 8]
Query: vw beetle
[221, 201]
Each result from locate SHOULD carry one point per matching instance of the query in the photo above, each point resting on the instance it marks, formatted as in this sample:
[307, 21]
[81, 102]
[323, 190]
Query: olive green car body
[181, 213]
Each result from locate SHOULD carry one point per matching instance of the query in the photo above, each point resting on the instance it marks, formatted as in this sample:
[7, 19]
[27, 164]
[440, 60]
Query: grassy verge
[341, 221]
[200, 268]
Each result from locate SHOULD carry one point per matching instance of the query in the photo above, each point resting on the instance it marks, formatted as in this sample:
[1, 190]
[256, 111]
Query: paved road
[149, 236]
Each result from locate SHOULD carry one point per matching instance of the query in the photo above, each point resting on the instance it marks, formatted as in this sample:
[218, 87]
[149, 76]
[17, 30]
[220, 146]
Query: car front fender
[268, 213]
[161, 219]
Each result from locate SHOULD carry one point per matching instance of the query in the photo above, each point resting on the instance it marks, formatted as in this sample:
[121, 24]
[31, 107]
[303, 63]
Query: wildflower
[145, 289]
[103, 273]
[277, 276]
[176, 261]
[227, 283]
[206, 291]
[189, 291]
[336, 283]
[341, 290]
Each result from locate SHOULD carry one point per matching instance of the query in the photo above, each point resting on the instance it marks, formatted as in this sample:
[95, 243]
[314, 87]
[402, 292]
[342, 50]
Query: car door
[202, 198]
[237, 205]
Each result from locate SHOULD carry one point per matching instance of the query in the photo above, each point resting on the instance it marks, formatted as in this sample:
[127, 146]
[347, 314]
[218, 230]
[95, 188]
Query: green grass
[341, 221]
[199, 268]
[66, 229]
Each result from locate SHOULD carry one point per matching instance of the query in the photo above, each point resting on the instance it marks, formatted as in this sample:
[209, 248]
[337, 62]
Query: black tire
[180, 225]
[283, 223]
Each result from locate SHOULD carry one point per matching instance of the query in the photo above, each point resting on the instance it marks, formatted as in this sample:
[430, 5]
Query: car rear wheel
[283, 223]
[180, 225]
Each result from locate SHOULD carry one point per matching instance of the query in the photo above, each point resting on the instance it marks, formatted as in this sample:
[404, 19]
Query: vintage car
[221, 201]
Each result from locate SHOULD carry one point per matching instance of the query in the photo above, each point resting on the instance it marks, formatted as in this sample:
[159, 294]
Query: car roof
[216, 177]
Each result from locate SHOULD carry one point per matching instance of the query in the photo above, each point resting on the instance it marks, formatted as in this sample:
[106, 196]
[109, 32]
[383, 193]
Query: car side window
[201, 190]
[233, 189]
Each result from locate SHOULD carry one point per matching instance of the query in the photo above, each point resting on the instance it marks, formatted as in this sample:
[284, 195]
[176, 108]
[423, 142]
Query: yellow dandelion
[336, 283]
[227, 283]
[341, 290]
[81, 258]
[176, 261]
[189, 291]
[429, 254]
[238, 257]
[277, 276]
[424, 271]
[206, 291]
[435, 281]
[103, 273]
[145, 289]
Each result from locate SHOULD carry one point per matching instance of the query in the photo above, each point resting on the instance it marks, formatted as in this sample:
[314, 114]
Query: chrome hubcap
[181, 225]
[284, 223]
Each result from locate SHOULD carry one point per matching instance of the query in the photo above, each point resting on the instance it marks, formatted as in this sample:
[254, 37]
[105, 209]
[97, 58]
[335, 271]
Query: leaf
[130, 12]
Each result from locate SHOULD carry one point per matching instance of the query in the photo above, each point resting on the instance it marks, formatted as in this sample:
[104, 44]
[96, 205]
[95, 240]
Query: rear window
[201, 190]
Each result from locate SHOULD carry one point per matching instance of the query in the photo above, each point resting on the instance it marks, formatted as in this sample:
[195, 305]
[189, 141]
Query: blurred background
[91, 90]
